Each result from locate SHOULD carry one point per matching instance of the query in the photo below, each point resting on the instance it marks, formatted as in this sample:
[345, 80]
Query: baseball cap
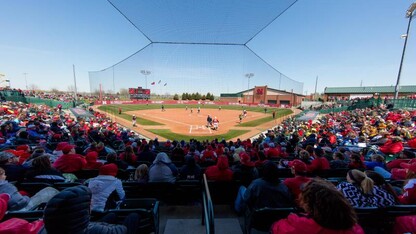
[297, 165]
[61, 146]
[4, 156]
[245, 160]
[67, 148]
[109, 169]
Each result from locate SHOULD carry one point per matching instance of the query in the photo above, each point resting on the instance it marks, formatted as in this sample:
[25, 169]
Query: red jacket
[221, 171]
[16, 225]
[69, 163]
[296, 224]
[273, 153]
[391, 147]
[318, 164]
[412, 143]
[208, 154]
[396, 163]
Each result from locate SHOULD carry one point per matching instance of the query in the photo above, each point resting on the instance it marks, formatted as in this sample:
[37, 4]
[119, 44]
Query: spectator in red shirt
[273, 152]
[129, 156]
[319, 163]
[327, 211]
[70, 161]
[208, 154]
[92, 162]
[295, 185]
[221, 171]
[392, 146]
[412, 143]
[356, 162]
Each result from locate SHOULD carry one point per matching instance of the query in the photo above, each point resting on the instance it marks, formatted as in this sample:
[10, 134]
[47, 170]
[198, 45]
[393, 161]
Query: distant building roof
[370, 89]
[240, 94]
[225, 95]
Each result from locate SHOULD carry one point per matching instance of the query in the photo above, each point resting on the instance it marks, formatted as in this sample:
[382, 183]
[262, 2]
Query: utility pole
[409, 14]
[316, 85]
[25, 79]
[249, 75]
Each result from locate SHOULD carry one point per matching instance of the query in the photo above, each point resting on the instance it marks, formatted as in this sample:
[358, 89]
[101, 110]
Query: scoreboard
[139, 93]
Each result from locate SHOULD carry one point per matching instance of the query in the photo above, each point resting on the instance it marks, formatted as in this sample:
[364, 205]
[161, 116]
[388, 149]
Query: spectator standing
[133, 120]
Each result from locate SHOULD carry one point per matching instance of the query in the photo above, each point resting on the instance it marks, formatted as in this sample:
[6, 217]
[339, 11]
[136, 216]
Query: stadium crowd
[372, 146]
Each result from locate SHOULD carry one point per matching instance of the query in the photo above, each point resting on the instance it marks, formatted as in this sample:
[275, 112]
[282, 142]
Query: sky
[343, 43]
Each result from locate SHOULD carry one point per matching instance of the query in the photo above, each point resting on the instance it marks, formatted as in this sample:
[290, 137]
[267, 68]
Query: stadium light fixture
[249, 75]
[25, 79]
[145, 73]
[409, 14]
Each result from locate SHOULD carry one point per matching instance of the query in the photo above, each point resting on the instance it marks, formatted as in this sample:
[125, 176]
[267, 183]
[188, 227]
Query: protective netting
[196, 46]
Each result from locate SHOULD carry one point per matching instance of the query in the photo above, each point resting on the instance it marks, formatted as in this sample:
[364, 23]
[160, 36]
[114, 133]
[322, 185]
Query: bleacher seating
[147, 209]
[262, 219]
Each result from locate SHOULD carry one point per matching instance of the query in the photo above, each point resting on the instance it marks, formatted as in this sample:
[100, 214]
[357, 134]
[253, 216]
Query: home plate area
[199, 129]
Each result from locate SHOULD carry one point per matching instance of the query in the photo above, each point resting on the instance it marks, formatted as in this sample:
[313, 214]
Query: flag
[165, 84]
[159, 81]
[153, 83]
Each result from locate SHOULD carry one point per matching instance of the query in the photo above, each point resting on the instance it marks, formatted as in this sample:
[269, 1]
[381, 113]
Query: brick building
[263, 95]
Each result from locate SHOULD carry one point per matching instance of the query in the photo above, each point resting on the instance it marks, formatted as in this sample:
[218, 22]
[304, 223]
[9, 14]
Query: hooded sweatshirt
[221, 171]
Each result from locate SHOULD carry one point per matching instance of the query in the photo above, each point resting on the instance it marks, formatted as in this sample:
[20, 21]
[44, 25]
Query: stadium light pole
[409, 14]
[249, 75]
[25, 79]
[146, 73]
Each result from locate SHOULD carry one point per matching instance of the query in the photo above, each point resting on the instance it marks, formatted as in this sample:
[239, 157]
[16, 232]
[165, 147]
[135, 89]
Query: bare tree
[33, 87]
[71, 88]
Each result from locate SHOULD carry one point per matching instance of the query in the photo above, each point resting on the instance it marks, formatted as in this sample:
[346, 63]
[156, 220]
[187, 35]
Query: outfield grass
[257, 122]
[166, 133]
[113, 109]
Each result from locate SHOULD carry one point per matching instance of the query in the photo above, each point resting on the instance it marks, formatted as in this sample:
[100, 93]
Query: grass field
[182, 124]
[166, 133]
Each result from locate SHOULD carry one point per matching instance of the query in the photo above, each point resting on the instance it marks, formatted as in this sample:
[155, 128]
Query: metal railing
[208, 209]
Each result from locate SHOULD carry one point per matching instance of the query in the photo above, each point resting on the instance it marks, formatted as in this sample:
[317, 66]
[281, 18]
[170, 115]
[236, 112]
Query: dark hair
[128, 154]
[339, 155]
[111, 157]
[270, 172]
[261, 155]
[41, 163]
[309, 148]
[327, 206]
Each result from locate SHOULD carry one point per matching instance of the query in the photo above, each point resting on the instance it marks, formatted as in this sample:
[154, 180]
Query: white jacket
[101, 187]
